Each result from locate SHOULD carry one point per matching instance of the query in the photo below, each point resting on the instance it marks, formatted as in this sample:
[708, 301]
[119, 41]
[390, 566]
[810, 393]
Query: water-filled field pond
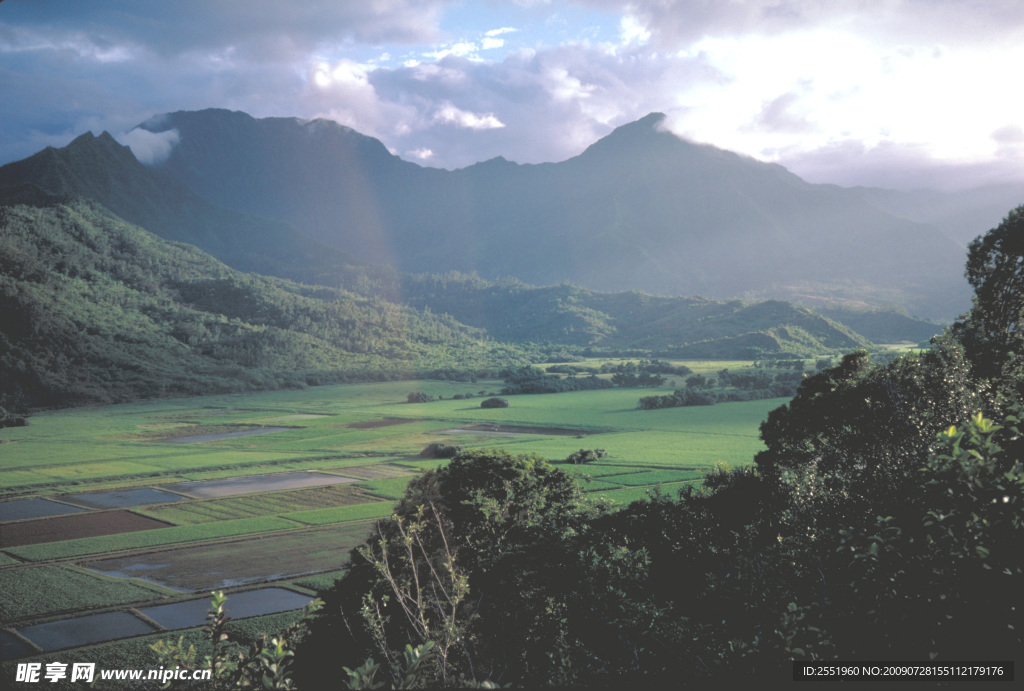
[119, 499]
[257, 483]
[183, 615]
[20, 509]
[67, 633]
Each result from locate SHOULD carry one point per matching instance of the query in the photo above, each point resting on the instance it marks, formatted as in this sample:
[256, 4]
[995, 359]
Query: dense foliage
[734, 386]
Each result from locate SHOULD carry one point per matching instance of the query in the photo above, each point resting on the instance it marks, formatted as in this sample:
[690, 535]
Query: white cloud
[491, 43]
[422, 154]
[499, 32]
[633, 31]
[449, 114]
[148, 147]
[460, 49]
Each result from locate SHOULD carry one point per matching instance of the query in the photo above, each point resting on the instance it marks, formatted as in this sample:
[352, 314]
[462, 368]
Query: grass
[342, 514]
[7, 560]
[386, 488]
[268, 504]
[320, 582]
[631, 494]
[87, 546]
[653, 477]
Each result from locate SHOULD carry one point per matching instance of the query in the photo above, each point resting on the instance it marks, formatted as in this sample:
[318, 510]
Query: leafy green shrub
[440, 450]
[585, 456]
[494, 403]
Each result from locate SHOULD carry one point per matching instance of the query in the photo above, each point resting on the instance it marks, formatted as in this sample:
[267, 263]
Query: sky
[889, 93]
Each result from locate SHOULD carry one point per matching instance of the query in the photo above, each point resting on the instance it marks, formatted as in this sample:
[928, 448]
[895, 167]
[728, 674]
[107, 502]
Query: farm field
[109, 509]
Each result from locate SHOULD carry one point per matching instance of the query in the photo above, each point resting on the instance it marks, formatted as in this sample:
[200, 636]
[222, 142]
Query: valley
[136, 515]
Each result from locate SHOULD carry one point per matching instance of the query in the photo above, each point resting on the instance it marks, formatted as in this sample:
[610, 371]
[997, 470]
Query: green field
[364, 431]
[45, 590]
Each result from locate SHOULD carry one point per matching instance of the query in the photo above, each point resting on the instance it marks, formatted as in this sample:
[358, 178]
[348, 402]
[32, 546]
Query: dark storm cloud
[270, 29]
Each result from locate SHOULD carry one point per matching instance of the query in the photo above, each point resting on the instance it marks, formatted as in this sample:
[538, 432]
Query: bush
[441, 450]
[494, 403]
[585, 456]
[420, 397]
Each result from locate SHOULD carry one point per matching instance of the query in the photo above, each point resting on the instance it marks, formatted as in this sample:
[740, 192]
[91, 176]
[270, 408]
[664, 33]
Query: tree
[459, 564]
[944, 579]
[993, 331]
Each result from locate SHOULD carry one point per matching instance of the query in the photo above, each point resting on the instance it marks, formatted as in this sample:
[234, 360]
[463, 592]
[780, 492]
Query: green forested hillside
[683, 327]
[95, 309]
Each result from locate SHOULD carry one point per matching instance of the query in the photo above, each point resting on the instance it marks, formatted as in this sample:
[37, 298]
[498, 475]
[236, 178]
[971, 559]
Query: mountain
[94, 309]
[640, 209]
[100, 169]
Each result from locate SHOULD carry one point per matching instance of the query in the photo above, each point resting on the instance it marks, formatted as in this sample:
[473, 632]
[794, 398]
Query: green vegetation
[273, 503]
[45, 590]
[342, 514]
[67, 549]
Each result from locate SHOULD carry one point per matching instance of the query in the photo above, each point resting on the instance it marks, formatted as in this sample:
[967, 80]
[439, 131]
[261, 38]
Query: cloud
[673, 23]
[342, 91]
[261, 29]
[460, 49]
[421, 154]
[781, 115]
[909, 82]
[150, 148]
[897, 165]
[449, 114]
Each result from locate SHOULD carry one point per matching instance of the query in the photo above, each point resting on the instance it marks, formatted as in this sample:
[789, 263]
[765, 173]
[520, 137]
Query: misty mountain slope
[103, 170]
[641, 209]
[962, 214]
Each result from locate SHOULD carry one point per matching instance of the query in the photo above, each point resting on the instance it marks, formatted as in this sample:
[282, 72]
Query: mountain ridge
[638, 209]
